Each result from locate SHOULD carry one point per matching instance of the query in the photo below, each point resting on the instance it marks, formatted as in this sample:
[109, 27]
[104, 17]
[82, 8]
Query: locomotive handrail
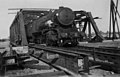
[32, 9]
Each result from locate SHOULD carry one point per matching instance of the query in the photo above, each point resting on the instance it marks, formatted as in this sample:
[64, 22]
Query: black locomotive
[58, 28]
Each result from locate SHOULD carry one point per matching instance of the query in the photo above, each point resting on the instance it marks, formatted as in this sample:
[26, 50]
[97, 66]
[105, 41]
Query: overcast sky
[98, 8]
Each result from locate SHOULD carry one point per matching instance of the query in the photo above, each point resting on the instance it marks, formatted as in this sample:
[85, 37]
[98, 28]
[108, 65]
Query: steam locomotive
[53, 27]
[58, 28]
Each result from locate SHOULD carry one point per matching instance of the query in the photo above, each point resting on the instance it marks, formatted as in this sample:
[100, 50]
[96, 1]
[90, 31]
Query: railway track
[66, 72]
[61, 59]
[65, 61]
[31, 61]
[107, 57]
[65, 58]
[71, 60]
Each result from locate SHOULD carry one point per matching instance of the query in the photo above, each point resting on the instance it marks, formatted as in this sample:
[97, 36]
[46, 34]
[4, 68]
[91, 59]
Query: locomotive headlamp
[57, 14]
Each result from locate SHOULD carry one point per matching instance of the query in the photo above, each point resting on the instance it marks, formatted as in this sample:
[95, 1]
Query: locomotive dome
[65, 16]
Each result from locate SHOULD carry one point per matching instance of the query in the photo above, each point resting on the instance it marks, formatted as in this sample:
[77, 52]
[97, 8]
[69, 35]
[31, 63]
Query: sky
[98, 8]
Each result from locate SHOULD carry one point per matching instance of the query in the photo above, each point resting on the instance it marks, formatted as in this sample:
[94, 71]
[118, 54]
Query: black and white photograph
[59, 38]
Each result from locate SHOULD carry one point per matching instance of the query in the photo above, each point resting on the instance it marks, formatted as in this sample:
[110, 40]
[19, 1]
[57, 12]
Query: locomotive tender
[53, 27]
